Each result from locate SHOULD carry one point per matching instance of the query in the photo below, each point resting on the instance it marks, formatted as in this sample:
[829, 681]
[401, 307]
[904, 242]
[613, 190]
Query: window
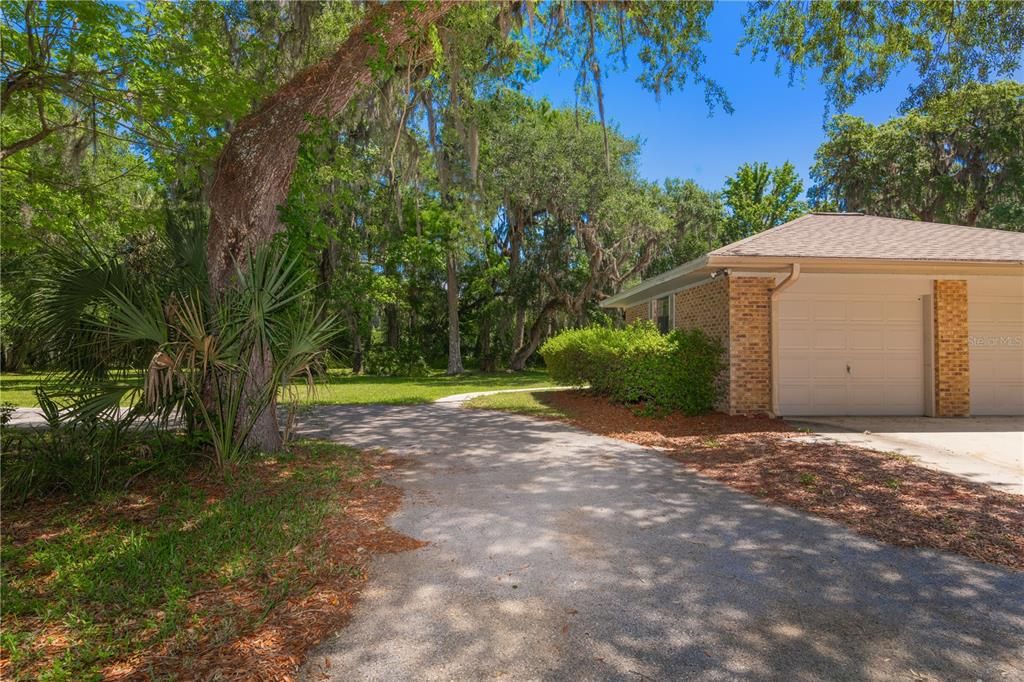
[662, 314]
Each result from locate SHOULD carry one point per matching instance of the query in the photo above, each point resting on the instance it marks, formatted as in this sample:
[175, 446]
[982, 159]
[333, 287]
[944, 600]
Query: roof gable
[855, 235]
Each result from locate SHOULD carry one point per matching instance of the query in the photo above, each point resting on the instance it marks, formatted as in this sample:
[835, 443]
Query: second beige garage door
[996, 341]
[850, 354]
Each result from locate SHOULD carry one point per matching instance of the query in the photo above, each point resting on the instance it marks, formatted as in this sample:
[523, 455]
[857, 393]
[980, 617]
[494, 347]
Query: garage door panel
[865, 311]
[865, 366]
[865, 395]
[903, 367]
[801, 338]
[903, 339]
[992, 370]
[794, 366]
[867, 338]
[800, 402]
[902, 397]
[828, 310]
[862, 353]
[830, 397]
[996, 347]
[833, 338]
[827, 368]
[904, 311]
[794, 310]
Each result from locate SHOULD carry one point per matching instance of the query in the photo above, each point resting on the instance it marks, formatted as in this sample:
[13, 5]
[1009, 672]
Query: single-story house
[851, 314]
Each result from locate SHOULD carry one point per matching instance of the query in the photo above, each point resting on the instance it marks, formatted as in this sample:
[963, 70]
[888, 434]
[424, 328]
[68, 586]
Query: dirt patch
[885, 497]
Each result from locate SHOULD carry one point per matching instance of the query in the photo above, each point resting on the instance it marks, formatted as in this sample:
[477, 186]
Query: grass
[19, 388]
[519, 403]
[88, 584]
[338, 387]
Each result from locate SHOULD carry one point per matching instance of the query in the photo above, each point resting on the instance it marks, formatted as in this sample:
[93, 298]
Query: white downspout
[794, 275]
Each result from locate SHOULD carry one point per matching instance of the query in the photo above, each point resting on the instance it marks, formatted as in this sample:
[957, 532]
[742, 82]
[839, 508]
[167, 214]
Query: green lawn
[344, 389]
[519, 403]
[87, 583]
[340, 387]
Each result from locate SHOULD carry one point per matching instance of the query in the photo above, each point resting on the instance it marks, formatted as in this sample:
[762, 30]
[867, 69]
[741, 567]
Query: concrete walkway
[558, 554]
[466, 397]
[987, 450]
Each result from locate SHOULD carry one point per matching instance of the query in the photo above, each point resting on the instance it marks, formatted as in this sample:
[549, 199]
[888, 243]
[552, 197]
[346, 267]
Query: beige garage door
[856, 354]
[996, 337]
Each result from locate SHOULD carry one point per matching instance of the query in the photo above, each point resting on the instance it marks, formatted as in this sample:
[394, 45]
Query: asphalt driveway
[557, 554]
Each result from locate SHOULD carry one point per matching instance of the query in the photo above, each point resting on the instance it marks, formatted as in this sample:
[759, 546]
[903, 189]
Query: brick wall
[641, 311]
[750, 344]
[706, 307]
[952, 356]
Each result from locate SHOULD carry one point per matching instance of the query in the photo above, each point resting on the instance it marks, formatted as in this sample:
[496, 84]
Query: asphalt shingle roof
[852, 235]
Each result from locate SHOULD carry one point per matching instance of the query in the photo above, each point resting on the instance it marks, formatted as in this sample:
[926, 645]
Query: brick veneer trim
[952, 353]
[750, 344]
[641, 311]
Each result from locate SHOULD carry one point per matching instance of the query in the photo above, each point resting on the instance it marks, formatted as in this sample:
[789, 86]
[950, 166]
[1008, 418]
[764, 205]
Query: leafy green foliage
[394, 362]
[698, 225]
[83, 458]
[572, 223]
[957, 159]
[759, 197]
[639, 364]
[858, 46]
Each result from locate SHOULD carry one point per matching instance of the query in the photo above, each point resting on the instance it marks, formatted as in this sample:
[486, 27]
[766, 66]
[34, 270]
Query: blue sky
[772, 121]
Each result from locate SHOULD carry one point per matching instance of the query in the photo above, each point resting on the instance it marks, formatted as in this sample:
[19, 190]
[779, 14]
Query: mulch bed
[883, 496]
[256, 643]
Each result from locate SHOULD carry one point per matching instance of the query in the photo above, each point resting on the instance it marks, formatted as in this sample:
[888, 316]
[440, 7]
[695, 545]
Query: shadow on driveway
[560, 554]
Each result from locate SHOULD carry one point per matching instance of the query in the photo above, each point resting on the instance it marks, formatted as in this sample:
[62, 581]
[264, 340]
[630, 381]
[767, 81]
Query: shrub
[391, 362]
[676, 370]
[83, 457]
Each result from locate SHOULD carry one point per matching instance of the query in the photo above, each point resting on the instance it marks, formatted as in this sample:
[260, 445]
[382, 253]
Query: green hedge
[675, 370]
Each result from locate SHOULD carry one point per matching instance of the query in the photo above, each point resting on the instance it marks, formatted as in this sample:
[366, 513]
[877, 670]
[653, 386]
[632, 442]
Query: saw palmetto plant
[201, 366]
[195, 352]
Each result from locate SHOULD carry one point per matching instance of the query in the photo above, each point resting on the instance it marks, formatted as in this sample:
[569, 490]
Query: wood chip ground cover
[883, 496]
[195, 579]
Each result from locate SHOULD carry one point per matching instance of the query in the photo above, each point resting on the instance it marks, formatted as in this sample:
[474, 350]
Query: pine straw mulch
[231, 634]
[882, 496]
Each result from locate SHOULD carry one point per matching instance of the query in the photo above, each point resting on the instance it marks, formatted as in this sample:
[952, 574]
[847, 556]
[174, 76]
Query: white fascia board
[664, 283]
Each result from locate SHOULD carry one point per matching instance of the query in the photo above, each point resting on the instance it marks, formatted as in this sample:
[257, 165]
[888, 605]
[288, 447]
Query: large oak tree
[255, 169]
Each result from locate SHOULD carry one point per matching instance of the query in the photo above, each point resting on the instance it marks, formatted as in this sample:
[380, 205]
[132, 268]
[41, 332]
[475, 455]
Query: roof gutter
[794, 275]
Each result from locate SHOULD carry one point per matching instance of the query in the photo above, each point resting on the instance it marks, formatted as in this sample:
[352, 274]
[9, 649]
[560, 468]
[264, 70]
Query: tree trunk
[454, 341]
[487, 362]
[537, 334]
[255, 168]
[357, 343]
[519, 330]
[264, 434]
[393, 336]
[514, 256]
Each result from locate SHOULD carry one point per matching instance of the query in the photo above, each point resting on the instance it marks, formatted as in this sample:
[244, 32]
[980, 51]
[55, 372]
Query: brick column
[750, 344]
[952, 355]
